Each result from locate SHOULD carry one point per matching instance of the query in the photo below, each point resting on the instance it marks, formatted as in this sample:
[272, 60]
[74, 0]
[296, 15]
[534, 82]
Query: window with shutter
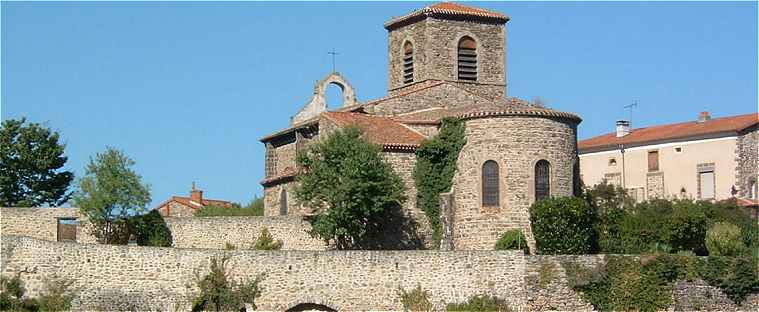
[706, 180]
[653, 161]
[490, 191]
[408, 62]
[542, 179]
[467, 59]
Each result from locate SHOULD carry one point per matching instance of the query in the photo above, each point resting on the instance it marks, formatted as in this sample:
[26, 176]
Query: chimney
[196, 195]
[704, 116]
[623, 128]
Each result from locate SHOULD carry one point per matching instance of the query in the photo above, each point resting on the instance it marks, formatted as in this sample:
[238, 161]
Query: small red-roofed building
[180, 206]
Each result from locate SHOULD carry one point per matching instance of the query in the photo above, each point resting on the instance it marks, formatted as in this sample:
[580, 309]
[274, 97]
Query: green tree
[109, 193]
[257, 205]
[562, 225]
[30, 161]
[351, 188]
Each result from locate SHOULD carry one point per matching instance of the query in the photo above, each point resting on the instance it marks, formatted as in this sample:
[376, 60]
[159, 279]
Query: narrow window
[467, 59]
[283, 203]
[753, 190]
[490, 184]
[653, 161]
[408, 62]
[542, 179]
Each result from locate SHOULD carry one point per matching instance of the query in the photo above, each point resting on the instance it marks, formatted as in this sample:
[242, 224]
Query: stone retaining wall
[39, 223]
[242, 232]
[120, 277]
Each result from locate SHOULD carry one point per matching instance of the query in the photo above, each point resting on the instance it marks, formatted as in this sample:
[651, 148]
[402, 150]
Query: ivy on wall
[434, 170]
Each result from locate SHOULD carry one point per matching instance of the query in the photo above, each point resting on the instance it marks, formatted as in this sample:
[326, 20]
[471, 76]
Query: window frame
[490, 185]
[542, 189]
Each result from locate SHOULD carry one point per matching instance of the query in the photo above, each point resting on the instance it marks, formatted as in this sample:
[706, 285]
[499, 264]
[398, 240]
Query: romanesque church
[445, 60]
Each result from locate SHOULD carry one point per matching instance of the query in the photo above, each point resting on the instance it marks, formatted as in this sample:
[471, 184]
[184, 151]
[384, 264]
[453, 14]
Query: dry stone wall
[42, 223]
[242, 232]
[118, 277]
[747, 170]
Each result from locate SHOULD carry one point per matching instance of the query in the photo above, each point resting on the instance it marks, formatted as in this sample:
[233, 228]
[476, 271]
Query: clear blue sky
[186, 89]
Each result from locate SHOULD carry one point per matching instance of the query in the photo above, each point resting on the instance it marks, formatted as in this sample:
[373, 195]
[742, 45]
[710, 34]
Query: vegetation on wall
[645, 283]
[481, 303]
[56, 295]
[219, 292]
[351, 188]
[563, 225]
[109, 193]
[435, 167]
[416, 300]
[512, 240]
[31, 159]
[266, 241]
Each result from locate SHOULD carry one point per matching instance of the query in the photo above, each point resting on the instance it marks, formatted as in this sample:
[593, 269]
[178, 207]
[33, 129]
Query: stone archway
[301, 307]
[318, 102]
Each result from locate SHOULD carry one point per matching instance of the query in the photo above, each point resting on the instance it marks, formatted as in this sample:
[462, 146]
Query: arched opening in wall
[408, 62]
[310, 307]
[334, 96]
[283, 202]
[490, 189]
[467, 59]
[542, 179]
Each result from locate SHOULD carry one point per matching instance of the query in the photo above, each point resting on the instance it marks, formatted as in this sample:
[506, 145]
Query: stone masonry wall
[39, 223]
[215, 232]
[748, 160]
[403, 164]
[516, 144]
[443, 95]
[117, 277]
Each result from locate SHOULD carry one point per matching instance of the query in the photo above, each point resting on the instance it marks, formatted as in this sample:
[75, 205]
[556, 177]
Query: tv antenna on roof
[630, 108]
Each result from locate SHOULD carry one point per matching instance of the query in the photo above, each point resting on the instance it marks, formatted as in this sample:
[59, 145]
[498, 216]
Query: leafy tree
[109, 193]
[234, 211]
[350, 186]
[30, 161]
[150, 230]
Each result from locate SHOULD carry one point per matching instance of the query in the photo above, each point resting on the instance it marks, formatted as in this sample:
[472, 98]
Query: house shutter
[707, 184]
[653, 161]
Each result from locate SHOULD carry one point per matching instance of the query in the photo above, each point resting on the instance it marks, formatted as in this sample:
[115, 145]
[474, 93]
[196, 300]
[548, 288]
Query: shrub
[150, 230]
[415, 300]
[481, 303]
[562, 225]
[512, 239]
[219, 293]
[686, 227]
[735, 276]
[724, 239]
[266, 242]
[229, 246]
[57, 295]
[434, 170]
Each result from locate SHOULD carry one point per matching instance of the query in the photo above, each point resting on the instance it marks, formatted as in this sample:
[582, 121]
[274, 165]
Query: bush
[562, 225]
[219, 293]
[511, 240]
[481, 303]
[56, 295]
[150, 230]
[724, 239]
[266, 242]
[415, 300]
[735, 276]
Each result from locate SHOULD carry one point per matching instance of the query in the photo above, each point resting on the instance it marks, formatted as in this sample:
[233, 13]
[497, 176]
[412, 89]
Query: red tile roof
[379, 130]
[287, 174]
[672, 132]
[189, 203]
[509, 107]
[447, 9]
[747, 202]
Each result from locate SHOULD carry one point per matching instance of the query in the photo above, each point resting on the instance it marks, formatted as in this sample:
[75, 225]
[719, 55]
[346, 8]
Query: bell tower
[448, 42]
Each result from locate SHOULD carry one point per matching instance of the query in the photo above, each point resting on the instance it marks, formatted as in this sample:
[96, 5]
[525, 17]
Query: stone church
[445, 60]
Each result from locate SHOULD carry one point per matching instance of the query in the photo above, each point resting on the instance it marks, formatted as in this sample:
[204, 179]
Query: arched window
[467, 59]
[490, 194]
[408, 62]
[542, 179]
[283, 202]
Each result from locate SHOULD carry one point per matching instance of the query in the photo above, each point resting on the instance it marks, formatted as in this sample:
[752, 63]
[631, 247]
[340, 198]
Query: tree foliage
[351, 188]
[109, 193]
[512, 240]
[150, 229]
[435, 167]
[31, 159]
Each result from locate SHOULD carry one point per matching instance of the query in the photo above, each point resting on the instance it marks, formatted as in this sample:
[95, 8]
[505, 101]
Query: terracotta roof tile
[671, 132]
[287, 174]
[189, 203]
[747, 202]
[448, 9]
[379, 130]
[510, 107]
